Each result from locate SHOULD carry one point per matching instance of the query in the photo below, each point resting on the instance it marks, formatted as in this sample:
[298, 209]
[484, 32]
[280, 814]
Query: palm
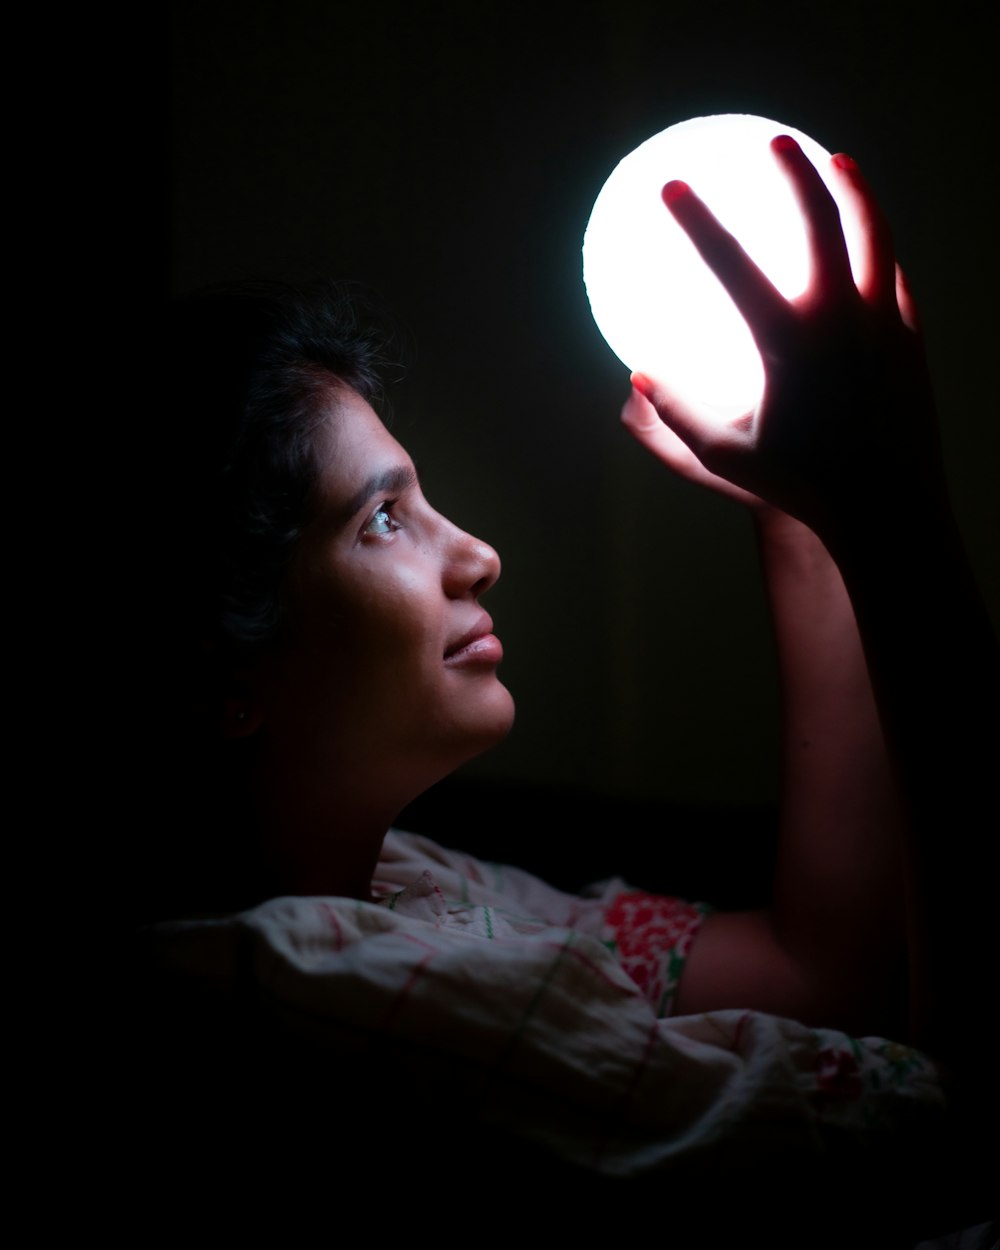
[640, 418]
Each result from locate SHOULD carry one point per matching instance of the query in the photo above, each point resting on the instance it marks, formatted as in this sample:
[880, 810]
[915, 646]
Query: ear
[242, 707]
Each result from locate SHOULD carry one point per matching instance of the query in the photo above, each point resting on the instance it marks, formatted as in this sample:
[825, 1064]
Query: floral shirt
[548, 1014]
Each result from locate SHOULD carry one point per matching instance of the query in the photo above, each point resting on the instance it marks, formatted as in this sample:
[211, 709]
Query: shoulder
[466, 881]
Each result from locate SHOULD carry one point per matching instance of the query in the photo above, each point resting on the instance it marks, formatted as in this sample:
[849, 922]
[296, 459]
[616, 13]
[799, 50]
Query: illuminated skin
[386, 680]
[844, 440]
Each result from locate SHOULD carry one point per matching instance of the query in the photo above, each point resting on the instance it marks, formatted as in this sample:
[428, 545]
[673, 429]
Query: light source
[660, 308]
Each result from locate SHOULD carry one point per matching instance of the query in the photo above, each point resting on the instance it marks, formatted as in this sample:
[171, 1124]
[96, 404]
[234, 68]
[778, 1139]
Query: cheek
[385, 624]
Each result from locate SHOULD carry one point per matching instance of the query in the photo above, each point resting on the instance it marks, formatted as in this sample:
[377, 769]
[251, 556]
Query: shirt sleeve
[651, 935]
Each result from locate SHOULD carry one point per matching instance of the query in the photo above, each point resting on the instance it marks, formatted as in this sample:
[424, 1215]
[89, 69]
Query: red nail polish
[843, 161]
[784, 143]
[674, 191]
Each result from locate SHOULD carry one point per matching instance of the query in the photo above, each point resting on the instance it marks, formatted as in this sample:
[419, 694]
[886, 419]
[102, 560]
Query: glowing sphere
[661, 309]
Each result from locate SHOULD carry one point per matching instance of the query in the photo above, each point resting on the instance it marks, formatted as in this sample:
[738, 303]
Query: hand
[641, 420]
[846, 417]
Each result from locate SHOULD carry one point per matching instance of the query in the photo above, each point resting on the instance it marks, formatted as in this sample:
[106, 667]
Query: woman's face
[389, 668]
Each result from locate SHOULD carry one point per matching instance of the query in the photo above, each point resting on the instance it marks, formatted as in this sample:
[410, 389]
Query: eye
[382, 521]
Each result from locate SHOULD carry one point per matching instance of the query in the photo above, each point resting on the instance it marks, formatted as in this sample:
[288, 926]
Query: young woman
[343, 654]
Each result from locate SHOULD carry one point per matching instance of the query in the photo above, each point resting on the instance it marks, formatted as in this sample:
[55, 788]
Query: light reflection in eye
[382, 522]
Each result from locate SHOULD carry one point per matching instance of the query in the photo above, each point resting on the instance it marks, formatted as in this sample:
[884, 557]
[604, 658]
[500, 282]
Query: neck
[320, 826]
[312, 850]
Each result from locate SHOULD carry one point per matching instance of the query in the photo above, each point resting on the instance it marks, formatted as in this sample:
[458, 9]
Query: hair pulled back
[256, 369]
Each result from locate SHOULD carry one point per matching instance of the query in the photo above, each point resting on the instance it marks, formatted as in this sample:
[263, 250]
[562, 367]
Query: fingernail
[784, 143]
[674, 191]
[843, 161]
[639, 380]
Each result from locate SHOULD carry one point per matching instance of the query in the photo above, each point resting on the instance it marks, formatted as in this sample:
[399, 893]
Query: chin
[496, 724]
[481, 723]
[492, 722]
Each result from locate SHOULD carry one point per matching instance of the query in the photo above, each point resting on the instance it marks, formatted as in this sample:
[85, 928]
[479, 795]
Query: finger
[906, 303]
[695, 426]
[877, 279]
[761, 305]
[831, 266]
[642, 421]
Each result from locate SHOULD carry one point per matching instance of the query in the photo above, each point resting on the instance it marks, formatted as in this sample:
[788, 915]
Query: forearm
[830, 948]
[838, 898]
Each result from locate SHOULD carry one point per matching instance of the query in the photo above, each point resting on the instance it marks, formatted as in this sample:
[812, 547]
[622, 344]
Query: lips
[477, 645]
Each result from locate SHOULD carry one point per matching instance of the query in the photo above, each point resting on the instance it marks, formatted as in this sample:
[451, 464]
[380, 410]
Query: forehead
[353, 448]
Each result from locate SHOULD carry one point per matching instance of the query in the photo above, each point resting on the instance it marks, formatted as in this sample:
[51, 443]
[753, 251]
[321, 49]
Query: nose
[472, 566]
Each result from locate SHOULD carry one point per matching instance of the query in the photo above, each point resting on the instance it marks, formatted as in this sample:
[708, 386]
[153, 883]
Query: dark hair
[252, 371]
[255, 369]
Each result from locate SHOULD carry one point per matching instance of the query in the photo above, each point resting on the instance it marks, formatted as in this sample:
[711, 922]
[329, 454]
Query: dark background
[449, 155]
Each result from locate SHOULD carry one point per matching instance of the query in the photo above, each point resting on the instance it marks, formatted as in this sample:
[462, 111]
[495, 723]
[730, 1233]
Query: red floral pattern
[651, 935]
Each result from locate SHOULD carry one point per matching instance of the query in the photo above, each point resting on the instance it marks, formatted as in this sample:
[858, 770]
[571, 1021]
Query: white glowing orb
[661, 309]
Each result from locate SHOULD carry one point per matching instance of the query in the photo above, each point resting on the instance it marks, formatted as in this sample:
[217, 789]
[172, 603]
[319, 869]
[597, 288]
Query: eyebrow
[390, 481]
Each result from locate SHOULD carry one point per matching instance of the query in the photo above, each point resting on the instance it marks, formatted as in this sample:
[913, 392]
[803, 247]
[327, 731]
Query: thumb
[696, 425]
[643, 422]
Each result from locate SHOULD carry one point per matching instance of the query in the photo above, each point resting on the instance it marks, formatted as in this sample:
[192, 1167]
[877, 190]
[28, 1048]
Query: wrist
[784, 536]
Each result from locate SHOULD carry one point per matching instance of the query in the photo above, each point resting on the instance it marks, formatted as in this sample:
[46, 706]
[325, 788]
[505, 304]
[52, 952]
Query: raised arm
[830, 949]
[844, 439]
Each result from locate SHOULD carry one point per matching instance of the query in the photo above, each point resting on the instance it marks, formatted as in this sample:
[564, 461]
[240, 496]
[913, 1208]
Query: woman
[352, 665]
